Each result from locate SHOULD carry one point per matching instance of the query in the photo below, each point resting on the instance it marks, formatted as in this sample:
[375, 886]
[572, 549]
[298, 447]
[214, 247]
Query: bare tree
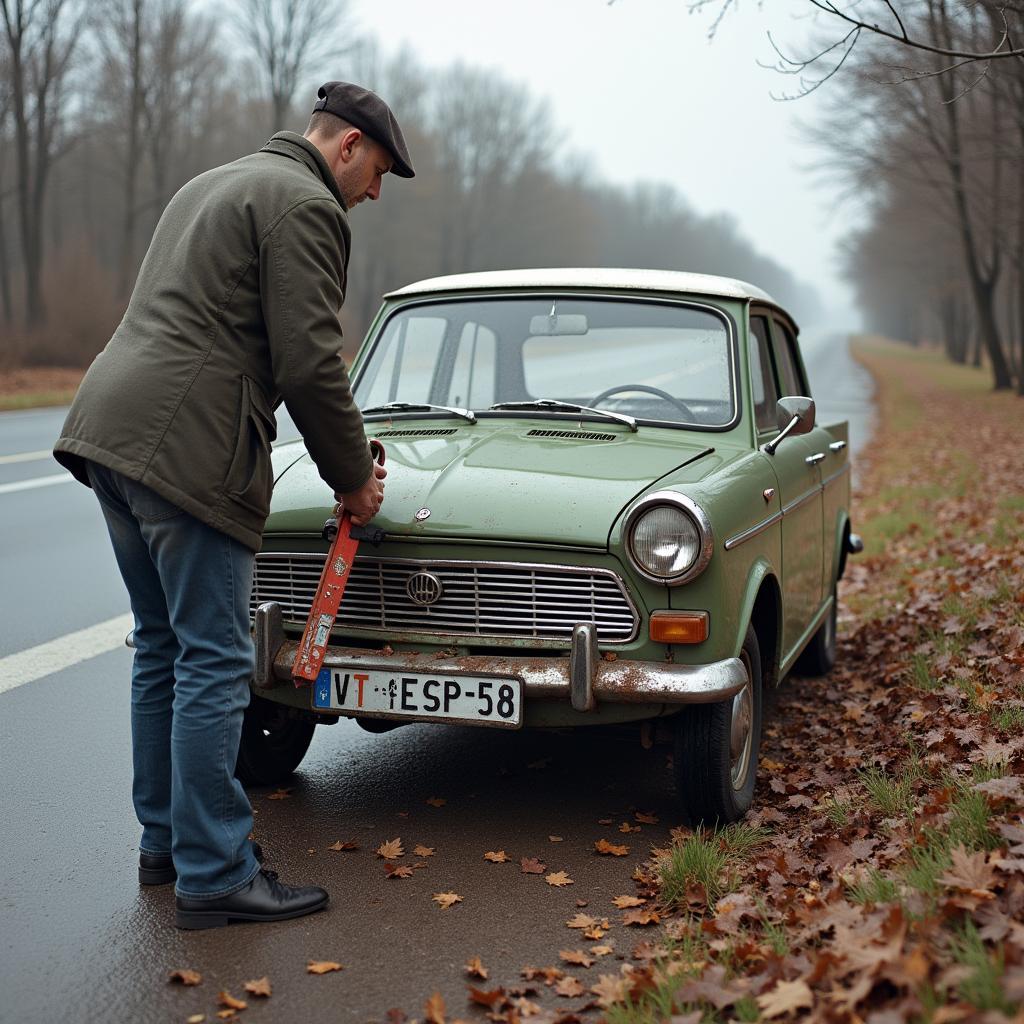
[286, 38]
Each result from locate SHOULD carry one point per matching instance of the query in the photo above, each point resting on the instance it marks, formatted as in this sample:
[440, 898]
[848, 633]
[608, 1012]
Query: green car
[608, 501]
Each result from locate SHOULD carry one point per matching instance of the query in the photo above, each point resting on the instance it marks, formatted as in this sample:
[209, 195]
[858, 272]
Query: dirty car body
[590, 518]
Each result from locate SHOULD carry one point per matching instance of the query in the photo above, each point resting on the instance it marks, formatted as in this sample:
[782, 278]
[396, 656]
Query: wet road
[80, 941]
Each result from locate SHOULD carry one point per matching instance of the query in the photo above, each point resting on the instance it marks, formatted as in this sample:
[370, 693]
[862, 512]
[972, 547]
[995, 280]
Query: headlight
[668, 537]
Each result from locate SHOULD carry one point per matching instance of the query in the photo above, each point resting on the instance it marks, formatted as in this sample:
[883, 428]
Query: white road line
[37, 481]
[56, 655]
[46, 453]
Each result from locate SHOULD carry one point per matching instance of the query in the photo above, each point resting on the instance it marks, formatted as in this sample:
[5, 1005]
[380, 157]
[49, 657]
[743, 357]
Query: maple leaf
[228, 1000]
[786, 997]
[576, 956]
[436, 801]
[558, 878]
[604, 950]
[476, 968]
[259, 987]
[433, 1009]
[322, 966]
[496, 856]
[582, 921]
[350, 844]
[569, 987]
[485, 998]
[641, 916]
[603, 846]
[423, 851]
[554, 839]
[626, 828]
[595, 933]
[532, 866]
[397, 870]
[970, 872]
[1007, 788]
[646, 819]
[281, 794]
[391, 850]
[611, 989]
[446, 899]
[624, 902]
[184, 976]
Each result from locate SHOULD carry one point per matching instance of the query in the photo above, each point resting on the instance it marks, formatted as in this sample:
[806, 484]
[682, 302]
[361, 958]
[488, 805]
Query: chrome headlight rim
[689, 507]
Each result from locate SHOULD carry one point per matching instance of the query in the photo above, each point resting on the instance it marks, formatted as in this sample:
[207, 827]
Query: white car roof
[589, 277]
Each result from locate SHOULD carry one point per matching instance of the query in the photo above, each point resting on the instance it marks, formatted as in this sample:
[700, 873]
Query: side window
[473, 374]
[762, 378]
[789, 372]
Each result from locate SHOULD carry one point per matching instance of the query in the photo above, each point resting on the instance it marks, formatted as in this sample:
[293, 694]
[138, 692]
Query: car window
[785, 362]
[408, 363]
[762, 376]
[472, 382]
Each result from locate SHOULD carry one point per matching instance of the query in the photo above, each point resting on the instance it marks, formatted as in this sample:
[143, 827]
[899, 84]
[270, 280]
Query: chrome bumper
[583, 678]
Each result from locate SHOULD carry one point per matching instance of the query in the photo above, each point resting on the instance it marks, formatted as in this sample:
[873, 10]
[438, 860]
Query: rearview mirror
[558, 325]
[793, 415]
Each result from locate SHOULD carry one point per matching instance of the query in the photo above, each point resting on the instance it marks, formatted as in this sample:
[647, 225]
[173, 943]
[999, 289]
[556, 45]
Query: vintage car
[608, 501]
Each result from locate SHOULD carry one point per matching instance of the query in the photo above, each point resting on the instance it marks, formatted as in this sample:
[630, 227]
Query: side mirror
[793, 416]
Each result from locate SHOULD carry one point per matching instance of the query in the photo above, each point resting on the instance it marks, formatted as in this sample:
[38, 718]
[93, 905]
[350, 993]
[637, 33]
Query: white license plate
[470, 699]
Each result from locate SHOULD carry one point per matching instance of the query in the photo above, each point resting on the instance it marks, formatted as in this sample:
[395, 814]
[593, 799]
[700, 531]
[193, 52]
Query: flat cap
[370, 114]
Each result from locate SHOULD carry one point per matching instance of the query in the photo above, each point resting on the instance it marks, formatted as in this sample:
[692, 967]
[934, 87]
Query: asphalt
[81, 941]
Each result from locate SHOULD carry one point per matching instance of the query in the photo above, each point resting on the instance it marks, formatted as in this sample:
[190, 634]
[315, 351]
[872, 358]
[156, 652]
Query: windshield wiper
[554, 404]
[466, 414]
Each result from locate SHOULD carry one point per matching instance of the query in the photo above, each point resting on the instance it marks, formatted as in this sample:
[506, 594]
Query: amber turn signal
[679, 627]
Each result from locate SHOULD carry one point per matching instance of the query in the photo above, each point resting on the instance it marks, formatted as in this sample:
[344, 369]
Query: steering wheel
[657, 392]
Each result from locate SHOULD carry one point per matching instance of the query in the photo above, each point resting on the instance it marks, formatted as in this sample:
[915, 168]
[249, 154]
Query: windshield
[666, 363]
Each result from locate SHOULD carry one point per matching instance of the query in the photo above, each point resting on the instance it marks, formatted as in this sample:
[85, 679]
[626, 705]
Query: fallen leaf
[391, 850]
[433, 1009]
[641, 916]
[595, 933]
[576, 956]
[185, 977]
[423, 851]
[259, 987]
[227, 1014]
[532, 866]
[196, 1018]
[646, 819]
[496, 856]
[475, 968]
[558, 878]
[786, 997]
[446, 899]
[603, 846]
[397, 870]
[569, 987]
[611, 989]
[1007, 788]
[322, 967]
[485, 998]
[554, 839]
[582, 921]
[436, 801]
[350, 844]
[280, 794]
[605, 821]
[396, 1016]
[624, 902]
[228, 1000]
[970, 872]
[626, 828]
[602, 950]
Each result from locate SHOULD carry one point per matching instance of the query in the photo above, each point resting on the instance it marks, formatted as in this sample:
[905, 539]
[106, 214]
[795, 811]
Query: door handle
[813, 460]
[837, 446]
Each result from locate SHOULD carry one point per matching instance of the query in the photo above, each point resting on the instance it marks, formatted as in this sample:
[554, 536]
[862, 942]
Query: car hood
[496, 480]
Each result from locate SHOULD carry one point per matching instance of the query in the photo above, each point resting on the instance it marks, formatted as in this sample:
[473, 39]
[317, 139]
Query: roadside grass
[36, 399]
[708, 859]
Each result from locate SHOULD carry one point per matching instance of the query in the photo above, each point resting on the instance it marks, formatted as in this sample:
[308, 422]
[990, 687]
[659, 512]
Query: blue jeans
[189, 586]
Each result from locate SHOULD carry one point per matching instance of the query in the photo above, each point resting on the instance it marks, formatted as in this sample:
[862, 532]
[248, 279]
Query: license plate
[473, 700]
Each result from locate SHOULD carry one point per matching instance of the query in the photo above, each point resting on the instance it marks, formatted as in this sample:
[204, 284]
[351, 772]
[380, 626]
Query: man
[235, 309]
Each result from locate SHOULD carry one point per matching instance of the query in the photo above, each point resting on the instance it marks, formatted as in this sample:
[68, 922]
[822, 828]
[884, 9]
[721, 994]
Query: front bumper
[584, 678]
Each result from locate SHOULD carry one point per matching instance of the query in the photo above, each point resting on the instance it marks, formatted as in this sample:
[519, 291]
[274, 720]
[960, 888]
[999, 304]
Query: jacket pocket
[250, 477]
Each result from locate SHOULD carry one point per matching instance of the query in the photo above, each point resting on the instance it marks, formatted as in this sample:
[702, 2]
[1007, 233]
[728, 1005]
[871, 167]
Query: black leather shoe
[263, 899]
[158, 868]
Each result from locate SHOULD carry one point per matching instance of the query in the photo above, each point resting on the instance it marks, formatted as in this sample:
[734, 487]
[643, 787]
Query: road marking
[38, 481]
[56, 655]
[27, 456]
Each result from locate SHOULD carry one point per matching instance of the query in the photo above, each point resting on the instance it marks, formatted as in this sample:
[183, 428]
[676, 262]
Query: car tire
[716, 749]
[819, 656]
[273, 743]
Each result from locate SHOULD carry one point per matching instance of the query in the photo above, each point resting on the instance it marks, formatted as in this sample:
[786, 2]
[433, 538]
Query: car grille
[479, 599]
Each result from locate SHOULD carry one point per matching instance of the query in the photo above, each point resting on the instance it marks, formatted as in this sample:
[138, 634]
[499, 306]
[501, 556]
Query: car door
[799, 478]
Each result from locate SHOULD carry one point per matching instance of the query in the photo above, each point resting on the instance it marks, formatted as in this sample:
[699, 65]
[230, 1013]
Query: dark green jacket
[235, 309]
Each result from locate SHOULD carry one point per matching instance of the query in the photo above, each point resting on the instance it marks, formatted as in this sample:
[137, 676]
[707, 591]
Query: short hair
[327, 124]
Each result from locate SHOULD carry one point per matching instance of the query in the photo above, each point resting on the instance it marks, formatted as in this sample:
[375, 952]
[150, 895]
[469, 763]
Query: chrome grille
[479, 599]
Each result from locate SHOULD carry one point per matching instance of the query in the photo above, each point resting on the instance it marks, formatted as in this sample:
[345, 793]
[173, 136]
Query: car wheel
[273, 743]
[716, 749]
[818, 657]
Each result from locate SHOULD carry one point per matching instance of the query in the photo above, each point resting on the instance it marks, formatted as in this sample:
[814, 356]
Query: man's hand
[365, 503]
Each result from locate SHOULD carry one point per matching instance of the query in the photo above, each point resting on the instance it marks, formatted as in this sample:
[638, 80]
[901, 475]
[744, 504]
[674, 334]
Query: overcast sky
[640, 91]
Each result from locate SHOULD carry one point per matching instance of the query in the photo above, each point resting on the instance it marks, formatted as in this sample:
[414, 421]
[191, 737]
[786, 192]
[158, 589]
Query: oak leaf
[446, 899]
[475, 967]
[558, 878]
[391, 849]
[349, 844]
[259, 987]
[423, 851]
[322, 966]
[532, 866]
[569, 987]
[397, 870]
[625, 902]
[786, 997]
[433, 1009]
[228, 1000]
[185, 977]
[436, 801]
[603, 846]
[576, 956]
[496, 856]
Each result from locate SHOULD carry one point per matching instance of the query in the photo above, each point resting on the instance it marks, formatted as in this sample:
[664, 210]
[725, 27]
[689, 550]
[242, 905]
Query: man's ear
[348, 143]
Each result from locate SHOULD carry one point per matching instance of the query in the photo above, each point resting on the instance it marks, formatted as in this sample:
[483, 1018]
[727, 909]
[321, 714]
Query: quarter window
[765, 392]
[785, 362]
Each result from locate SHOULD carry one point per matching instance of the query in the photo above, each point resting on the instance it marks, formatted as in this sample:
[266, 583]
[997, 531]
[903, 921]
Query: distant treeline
[107, 107]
